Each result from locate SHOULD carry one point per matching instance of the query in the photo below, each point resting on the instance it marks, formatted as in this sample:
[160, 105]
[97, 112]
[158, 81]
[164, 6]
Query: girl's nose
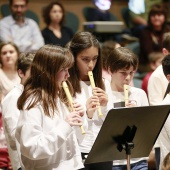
[67, 74]
[91, 64]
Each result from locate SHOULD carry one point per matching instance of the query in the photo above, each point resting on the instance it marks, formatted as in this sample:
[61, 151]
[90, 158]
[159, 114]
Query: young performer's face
[62, 75]
[86, 61]
[121, 77]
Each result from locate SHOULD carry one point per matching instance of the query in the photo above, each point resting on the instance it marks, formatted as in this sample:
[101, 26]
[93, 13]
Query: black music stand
[127, 128]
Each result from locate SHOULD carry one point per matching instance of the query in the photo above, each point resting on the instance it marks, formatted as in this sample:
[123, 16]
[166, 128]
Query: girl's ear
[165, 51]
[20, 73]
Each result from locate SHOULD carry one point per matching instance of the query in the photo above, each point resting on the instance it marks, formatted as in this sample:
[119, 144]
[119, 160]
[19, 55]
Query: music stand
[140, 125]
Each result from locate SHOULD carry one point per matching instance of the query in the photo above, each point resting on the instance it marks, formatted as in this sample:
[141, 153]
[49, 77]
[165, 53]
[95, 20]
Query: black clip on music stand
[127, 128]
[125, 142]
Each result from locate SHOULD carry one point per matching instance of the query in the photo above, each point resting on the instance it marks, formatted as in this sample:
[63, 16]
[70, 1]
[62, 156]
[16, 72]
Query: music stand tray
[148, 122]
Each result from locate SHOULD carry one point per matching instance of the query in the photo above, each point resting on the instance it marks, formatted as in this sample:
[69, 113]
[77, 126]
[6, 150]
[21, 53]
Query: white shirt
[164, 136]
[94, 124]
[10, 115]
[157, 86]
[139, 96]
[47, 143]
[26, 36]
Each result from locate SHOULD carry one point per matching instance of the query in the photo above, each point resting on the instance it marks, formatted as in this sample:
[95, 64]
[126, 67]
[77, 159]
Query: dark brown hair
[42, 85]
[80, 42]
[166, 65]
[46, 13]
[157, 9]
[121, 58]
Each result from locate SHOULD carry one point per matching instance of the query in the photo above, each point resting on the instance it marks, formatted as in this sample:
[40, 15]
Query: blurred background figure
[8, 72]
[138, 14]
[17, 28]
[9, 53]
[101, 12]
[151, 37]
[155, 59]
[10, 112]
[106, 48]
[55, 32]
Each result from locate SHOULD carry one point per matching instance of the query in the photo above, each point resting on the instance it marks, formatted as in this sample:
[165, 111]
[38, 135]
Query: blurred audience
[24, 32]
[106, 48]
[55, 32]
[151, 36]
[10, 112]
[155, 59]
[101, 13]
[9, 53]
[8, 72]
[138, 14]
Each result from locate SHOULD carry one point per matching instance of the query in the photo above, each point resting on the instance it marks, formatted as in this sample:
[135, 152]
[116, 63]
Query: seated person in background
[8, 79]
[155, 59]
[9, 54]
[151, 36]
[55, 33]
[10, 112]
[100, 13]
[24, 32]
[138, 13]
[122, 64]
[106, 48]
